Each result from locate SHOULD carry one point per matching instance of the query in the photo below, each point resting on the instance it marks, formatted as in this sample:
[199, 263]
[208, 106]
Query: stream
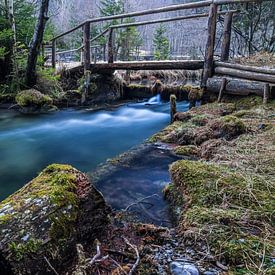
[81, 138]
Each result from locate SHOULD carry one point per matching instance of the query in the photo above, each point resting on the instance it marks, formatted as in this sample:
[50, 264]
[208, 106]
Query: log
[50, 223]
[245, 67]
[54, 54]
[245, 74]
[87, 45]
[210, 45]
[150, 65]
[235, 86]
[226, 36]
[111, 46]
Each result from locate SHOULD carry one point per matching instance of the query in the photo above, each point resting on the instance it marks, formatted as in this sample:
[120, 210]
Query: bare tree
[36, 43]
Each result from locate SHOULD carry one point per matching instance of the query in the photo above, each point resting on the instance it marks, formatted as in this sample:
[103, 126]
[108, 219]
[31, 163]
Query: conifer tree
[161, 44]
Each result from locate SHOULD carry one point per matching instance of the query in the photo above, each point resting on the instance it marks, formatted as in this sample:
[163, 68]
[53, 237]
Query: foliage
[127, 40]
[254, 27]
[161, 44]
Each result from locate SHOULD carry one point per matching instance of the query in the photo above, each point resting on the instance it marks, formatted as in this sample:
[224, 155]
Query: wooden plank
[150, 65]
[245, 74]
[87, 45]
[245, 67]
[226, 36]
[210, 45]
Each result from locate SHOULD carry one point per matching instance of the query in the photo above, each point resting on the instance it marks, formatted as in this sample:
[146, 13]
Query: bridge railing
[211, 32]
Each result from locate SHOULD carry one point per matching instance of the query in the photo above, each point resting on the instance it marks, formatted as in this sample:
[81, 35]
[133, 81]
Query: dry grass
[261, 59]
[227, 202]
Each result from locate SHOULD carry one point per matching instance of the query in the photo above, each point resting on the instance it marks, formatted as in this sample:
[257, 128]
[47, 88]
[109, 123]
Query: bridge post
[226, 36]
[87, 45]
[210, 45]
[54, 54]
[111, 46]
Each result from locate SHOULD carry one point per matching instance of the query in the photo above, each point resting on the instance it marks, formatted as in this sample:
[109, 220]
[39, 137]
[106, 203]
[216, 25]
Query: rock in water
[47, 218]
[183, 268]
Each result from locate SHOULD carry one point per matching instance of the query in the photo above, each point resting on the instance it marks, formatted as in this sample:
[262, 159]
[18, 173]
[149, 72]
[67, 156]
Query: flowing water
[78, 137]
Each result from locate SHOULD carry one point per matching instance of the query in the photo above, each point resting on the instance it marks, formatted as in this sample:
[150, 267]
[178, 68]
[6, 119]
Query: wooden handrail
[199, 4]
[192, 16]
[177, 7]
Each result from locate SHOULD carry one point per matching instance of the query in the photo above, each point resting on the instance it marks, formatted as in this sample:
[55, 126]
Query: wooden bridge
[209, 65]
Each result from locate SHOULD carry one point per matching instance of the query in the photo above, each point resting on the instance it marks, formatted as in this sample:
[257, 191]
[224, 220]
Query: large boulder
[42, 222]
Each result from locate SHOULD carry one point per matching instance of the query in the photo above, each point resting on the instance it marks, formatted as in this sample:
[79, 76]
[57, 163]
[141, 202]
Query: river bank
[221, 193]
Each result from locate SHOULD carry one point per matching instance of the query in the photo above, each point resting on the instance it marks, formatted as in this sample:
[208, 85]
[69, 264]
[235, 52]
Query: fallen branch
[51, 267]
[98, 254]
[137, 254]
[118, 265]
[140, 201]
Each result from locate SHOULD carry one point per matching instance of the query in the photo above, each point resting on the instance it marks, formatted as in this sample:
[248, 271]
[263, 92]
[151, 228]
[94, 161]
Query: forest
[137, 137]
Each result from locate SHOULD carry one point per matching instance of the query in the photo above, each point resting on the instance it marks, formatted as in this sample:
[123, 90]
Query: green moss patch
[188, 150]
[229, 211]
[33, 97]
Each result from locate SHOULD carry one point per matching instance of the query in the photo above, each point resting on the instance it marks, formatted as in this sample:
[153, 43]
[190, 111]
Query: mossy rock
[229, 211]
[188, 150]
[47, 217]
[32, 97]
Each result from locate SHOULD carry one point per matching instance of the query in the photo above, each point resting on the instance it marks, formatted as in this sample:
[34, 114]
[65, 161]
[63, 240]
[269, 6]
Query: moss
[230, 122]
[187, 150]
[230, 211]
[5, 218]
[57, 183]
[136, 86]
[247, 102]
[32, 97]
[200, 120]
[228, 127]
[19, 250]
[194, 92]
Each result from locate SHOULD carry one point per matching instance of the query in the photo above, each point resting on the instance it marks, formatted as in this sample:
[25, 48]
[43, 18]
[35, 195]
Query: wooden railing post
[87, 46]
[54, 53]
[226, 36]
[210, 45]
[111, 46]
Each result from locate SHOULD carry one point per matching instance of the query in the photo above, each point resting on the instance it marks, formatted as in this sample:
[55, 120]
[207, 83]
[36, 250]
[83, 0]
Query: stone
[183, 268]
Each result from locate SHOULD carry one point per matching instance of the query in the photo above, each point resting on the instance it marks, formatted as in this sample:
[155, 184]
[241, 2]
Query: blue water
[77, 137]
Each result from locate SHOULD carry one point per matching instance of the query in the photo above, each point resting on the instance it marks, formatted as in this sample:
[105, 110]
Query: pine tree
[161, 44]
[127, 40]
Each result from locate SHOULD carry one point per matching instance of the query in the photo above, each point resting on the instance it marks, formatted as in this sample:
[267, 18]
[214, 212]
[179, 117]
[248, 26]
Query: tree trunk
[36, 43]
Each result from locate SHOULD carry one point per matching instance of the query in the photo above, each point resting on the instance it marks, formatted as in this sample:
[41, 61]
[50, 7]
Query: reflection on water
[83, 139]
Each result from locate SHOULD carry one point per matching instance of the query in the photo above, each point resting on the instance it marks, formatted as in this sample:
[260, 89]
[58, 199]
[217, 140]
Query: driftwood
[235, 86]
[245, 74]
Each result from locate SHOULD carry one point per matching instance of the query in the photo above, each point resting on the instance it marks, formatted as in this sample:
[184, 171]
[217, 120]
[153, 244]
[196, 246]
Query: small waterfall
[154, 100]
